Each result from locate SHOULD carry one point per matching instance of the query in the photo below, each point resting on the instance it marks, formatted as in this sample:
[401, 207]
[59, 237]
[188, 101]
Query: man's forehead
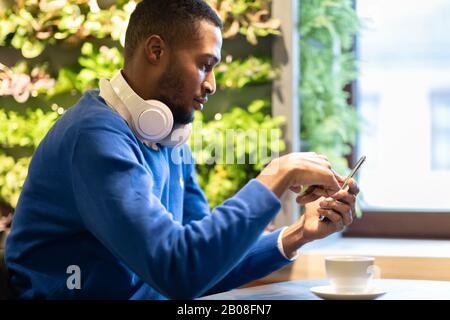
[206, 43]
[210, 38]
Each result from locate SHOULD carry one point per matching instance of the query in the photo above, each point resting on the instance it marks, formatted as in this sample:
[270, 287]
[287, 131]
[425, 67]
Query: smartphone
[353, 172]
[346, 181]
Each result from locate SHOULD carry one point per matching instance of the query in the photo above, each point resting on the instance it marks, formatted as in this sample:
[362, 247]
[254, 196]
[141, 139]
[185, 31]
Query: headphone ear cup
[179, 135]
[150, 120]
[154, 121]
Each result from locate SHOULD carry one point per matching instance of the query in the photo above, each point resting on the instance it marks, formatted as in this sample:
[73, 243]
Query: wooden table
[300, 290]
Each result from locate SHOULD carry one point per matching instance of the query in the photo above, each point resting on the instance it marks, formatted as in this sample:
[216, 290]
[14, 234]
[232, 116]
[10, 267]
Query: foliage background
[328, 65]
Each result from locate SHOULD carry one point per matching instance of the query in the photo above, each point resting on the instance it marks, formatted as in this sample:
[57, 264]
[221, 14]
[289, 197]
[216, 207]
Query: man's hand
[340, 204]
[339, 209]
[296, 169]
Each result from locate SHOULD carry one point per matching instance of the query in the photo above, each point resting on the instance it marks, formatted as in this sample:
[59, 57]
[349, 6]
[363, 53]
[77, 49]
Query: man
[107, 213]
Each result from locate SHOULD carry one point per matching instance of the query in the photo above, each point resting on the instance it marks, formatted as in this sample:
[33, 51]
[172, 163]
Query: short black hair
[175, 21]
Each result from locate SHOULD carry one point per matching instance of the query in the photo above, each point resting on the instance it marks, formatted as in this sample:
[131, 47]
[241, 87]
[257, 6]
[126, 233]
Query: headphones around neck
[150, 120]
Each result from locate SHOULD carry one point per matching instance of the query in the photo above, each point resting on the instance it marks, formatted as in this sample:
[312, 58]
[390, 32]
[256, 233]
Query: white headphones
[150, 120]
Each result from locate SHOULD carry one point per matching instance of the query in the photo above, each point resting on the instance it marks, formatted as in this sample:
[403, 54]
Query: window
[403, 96]
[440, 135]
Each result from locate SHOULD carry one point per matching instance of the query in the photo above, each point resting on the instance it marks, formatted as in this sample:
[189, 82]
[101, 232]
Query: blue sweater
[133, 219]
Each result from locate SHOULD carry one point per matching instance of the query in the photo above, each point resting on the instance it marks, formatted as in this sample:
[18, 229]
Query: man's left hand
[338, 209]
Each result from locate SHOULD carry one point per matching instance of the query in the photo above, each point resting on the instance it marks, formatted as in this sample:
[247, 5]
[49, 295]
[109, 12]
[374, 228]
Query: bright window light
[404, 101]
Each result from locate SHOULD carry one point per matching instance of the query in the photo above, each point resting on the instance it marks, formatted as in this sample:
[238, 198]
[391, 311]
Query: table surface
[300, 290]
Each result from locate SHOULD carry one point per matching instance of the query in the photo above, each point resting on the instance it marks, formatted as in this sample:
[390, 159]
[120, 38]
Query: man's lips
[201, 102]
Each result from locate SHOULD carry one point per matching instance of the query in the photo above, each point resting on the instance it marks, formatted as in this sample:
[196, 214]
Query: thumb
[333, 183]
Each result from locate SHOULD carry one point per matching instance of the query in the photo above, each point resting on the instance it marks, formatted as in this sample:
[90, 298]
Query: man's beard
[173, 90]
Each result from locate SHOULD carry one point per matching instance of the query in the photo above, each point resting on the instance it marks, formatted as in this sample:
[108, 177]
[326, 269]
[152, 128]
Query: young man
[106, 212]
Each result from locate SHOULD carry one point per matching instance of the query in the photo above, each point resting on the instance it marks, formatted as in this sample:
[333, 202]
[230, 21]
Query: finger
[309, 155]
[334, 218]
[348, 198]
[320, 159]
[308, 195]
[329, 181]
[306, 191]
[324, 192]
[320, 191]
[345, 196]
[339, 178]
[321, 156]
[324, 161]
[353, 206]
[353, 187]
[296, 189]
[343, 209]
[333, 183]
[331, 215]
[319, 174]
[307, 198]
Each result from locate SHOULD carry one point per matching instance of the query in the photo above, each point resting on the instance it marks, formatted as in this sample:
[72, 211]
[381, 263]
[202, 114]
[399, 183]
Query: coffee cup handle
[374, 271]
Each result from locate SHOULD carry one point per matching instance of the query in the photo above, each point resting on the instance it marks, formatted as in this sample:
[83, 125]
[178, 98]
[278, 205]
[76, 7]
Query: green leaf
[32, 49]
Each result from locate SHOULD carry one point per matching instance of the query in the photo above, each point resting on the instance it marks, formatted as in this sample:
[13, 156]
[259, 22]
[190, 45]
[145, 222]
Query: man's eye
[207, 67]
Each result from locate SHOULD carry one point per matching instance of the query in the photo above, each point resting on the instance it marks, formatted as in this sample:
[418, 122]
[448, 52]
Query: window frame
[401, 224]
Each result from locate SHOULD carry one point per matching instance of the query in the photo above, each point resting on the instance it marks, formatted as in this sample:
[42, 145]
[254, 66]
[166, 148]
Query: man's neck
[139, 83]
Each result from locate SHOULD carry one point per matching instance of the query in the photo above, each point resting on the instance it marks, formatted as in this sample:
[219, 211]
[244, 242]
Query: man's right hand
[295, 170]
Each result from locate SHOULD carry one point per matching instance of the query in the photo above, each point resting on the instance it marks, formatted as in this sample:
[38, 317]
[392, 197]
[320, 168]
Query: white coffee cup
[350, 274]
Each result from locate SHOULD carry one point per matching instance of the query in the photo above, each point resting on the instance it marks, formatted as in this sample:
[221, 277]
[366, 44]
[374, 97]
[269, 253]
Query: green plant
[31, 25]
[240, 134]
[27, 130]
[95, 62]
[329, 124]
[240, 73]
[12, 176]
[248, 17]
[19, 131]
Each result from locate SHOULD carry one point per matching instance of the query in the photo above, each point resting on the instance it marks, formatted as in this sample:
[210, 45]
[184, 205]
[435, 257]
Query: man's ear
[154, 48]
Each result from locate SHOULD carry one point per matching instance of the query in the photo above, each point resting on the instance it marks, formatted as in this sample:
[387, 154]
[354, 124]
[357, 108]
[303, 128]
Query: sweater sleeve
[264, 256]
[113, 194]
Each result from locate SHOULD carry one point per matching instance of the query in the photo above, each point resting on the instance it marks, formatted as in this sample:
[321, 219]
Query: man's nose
[210, 83]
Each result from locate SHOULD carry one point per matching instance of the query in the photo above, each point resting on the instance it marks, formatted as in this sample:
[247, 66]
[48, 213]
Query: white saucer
[327, 292]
